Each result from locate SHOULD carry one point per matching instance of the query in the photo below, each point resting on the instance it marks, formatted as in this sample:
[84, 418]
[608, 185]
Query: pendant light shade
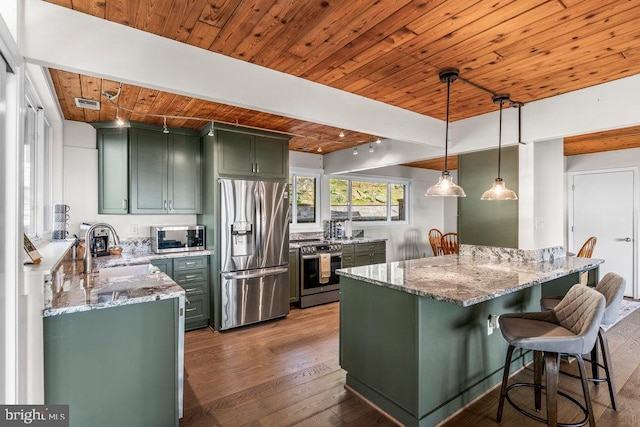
[499, 190]
[445, 186]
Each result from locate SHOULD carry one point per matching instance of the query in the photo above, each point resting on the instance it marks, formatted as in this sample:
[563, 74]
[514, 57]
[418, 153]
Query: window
[368, 200]
[37, 169]
[303, 198]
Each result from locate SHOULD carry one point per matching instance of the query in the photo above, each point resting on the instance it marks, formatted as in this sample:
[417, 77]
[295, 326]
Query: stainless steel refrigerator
[254, 243]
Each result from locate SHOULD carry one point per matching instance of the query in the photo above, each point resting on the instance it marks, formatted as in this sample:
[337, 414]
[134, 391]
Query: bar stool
[612, 286]
[570, 328]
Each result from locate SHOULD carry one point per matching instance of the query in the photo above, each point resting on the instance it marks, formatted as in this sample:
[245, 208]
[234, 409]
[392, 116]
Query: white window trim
[376, 179]
[306, 227]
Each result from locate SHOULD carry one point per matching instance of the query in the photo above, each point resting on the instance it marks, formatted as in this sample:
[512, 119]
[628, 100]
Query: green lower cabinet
[357, 254]
[114, 366]
[192, 273]
[294, 276]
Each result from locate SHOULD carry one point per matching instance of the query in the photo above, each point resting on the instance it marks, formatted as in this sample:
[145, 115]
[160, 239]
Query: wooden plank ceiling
[388, 50]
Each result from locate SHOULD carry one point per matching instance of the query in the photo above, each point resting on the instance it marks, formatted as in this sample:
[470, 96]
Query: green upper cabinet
[252, 155]
[166, 172]
[113, 173]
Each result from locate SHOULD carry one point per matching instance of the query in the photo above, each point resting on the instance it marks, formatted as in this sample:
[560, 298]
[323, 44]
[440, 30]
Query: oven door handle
[316, 256]
[252, 275]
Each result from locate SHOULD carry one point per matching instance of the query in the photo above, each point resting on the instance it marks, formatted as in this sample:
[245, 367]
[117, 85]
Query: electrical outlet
[134, 229]
[492, 323]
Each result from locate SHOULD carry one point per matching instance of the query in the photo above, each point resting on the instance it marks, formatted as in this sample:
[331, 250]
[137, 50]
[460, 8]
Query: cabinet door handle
[190, 309]
[190, 263]
[190, 289]
[124, 204]
[170, 205]
[165, 205]
[257, 167]
[190, 276]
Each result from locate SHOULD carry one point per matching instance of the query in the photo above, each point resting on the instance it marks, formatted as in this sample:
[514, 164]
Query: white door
[604, 206]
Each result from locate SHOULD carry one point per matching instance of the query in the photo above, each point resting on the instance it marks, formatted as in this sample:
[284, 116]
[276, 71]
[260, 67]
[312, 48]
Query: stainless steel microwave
[177, 238]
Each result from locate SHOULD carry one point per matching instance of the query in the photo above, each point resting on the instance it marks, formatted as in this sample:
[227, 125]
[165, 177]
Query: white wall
[81, 184]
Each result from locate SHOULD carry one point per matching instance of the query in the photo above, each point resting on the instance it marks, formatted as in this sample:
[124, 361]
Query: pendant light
[499, 191]
[446, 186]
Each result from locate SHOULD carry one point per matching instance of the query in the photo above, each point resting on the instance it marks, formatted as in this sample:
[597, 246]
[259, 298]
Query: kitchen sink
[126, 270]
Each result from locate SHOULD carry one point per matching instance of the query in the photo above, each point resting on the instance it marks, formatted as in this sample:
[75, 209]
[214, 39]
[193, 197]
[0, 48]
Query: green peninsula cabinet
[192, 273]
[116, 365]
[113, 171]
[166, 172]
[249, 155]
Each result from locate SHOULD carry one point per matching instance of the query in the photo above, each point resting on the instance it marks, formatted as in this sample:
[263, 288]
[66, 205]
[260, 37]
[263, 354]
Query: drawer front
[196, 308]
[195, 288]
[189, 263]
[184, 277]
[370, 248]
[347, 249]
[347, 261]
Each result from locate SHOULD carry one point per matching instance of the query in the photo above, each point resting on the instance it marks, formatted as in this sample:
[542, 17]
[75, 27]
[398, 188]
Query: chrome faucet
[88, 257]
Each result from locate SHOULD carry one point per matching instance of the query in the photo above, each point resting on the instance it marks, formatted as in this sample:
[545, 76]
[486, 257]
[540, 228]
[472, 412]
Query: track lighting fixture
[210, 133]
[445, 185]
[378, 140]
[371, 150]
[355, 150]
[499, 191]
[319, 149]
[165, 130]
[341, 134]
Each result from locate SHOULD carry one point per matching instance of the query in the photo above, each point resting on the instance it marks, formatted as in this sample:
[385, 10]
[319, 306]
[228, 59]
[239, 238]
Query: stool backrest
[435, 237]
[581, 311]
[587, 248]
[612, 286]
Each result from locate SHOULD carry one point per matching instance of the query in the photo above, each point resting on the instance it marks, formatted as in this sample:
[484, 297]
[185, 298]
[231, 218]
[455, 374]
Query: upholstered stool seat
[612, 286]
[571, 327]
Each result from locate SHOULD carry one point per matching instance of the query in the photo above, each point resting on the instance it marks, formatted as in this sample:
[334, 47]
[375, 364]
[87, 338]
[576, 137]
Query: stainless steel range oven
[319, 283]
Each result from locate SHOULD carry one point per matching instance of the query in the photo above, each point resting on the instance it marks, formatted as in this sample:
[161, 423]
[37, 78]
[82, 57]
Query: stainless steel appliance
[254, 258]
[319, 283]
[177, 238]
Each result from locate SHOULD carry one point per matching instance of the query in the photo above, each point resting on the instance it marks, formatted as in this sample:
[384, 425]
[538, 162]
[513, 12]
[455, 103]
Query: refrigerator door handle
[253, 274]
[259, 199]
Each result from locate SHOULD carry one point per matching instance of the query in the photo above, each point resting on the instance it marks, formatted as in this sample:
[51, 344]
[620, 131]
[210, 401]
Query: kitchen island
[113, 345]
[414, 337]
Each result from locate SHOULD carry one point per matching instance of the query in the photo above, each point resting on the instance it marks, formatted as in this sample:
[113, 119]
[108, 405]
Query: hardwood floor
[286, 372]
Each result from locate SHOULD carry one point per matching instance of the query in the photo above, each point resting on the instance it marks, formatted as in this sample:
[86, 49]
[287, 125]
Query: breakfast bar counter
[414, 335]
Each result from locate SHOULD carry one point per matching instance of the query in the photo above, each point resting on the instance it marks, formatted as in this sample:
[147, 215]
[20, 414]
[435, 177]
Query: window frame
[306, 226]
[374, 179]
[40, 157]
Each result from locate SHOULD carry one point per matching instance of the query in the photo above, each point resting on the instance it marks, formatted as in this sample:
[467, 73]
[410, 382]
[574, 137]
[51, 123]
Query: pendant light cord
[446, 132]
[500, 139]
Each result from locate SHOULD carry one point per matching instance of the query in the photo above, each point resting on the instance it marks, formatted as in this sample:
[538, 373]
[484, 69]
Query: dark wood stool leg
[608, 369]
[505, 379]
[537, 378]
[552, 368]
[585, 389]
[594, 362]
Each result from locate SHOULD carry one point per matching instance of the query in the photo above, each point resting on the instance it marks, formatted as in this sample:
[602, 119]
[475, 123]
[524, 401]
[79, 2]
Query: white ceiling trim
[61, 38]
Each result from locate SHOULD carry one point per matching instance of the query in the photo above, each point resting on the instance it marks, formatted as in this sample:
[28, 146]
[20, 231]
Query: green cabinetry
[250, 155]
[166, 172]
[113, 171]
[294, 275]
[114, 366]
[357, 254]
[192, 273]
[142, 170]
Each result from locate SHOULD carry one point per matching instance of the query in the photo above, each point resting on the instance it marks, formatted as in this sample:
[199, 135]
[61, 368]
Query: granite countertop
[75, 292]
[464, 280]
[134, 258]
